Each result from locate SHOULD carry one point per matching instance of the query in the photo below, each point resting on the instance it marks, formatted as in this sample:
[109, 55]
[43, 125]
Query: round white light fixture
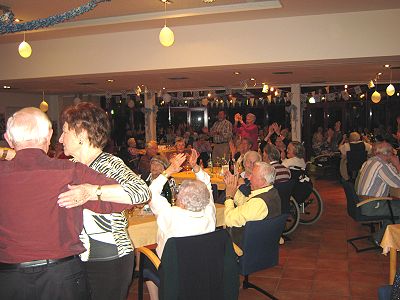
[390, 90]
[166, 36]
[44, 107]
[24, 49]
[166, 97]
[376, 97]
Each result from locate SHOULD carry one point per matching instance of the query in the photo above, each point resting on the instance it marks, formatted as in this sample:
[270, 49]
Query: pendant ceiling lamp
[44, 106]
[166, 34]
[24, 49]
[390, 90]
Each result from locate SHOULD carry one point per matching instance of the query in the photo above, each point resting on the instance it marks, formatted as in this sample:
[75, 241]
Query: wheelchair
[305, 203]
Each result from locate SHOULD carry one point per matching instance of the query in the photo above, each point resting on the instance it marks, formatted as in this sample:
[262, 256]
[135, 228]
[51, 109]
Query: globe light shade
[376, 97]
[166, 97]
[390, 90]
[311, 100]
[44, 107]
[166, 36]
[25, 49]
[77, 100]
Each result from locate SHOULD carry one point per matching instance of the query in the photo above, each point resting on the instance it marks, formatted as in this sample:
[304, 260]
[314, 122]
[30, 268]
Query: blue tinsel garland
[7, 24]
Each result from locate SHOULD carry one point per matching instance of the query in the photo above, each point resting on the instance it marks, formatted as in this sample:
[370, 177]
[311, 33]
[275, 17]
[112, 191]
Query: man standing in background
[221, 132]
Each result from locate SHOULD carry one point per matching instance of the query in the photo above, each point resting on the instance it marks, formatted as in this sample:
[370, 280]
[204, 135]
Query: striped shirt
[282, 173]
[375, 178]
[221, 131]
[104, 235]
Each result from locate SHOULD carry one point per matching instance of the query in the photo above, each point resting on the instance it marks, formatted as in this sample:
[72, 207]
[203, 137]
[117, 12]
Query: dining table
[142, 225]
[391, 244]
[215, 177]
[391, 239]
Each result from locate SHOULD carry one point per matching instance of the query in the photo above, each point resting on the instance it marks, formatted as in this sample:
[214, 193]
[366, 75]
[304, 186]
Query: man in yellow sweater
[263, 201]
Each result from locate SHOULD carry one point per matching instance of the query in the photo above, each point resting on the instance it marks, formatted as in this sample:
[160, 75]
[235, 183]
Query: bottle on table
[231, 165]
[210, 164]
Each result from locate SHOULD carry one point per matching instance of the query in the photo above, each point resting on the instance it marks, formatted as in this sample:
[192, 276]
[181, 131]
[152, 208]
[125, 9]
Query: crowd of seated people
[263, 157]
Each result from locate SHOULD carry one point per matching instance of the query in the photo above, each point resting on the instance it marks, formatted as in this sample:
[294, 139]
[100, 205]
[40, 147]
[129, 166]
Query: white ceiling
[121, 15]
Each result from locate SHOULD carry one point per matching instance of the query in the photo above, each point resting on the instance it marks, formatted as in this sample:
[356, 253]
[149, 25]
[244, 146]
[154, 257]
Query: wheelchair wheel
[294, 217]
[311, 209]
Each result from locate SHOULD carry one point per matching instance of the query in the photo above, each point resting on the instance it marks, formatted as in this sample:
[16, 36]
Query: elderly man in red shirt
[39, 235]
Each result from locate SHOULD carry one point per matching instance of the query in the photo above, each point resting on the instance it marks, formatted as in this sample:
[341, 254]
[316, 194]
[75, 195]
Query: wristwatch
[99, 192]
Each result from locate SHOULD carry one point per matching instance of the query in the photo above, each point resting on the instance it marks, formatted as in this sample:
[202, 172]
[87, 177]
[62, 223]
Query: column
[295, 116]
[150, 116]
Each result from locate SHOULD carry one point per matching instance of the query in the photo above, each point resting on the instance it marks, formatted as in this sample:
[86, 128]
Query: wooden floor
[318, 263]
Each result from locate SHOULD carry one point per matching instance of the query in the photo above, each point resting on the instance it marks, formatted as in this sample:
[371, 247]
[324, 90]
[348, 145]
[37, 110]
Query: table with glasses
[391, 240]
[215, 177]
[142, 227]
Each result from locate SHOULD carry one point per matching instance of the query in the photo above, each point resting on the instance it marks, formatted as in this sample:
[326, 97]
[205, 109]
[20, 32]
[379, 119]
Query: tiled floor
[318, 263]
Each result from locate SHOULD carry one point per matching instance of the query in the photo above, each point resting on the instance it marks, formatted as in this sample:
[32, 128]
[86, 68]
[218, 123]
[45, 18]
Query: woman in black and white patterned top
[109, 257]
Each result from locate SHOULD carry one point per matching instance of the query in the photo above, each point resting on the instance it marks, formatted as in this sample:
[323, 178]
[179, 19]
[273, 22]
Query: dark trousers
[62, 281]
[110, 280]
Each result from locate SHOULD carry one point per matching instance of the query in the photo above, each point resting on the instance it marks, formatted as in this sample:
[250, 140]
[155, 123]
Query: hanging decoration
[77, 100]
[44, 106]
[390, 90]
[376, 97]
[24, 49]
[8, 24]
[166, 35]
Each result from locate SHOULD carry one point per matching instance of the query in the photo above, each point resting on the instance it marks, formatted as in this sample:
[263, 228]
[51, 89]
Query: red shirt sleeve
[88, 175]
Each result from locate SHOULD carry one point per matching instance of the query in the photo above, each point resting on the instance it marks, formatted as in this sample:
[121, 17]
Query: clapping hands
[176, 163]
[238, 117]
[231, 183]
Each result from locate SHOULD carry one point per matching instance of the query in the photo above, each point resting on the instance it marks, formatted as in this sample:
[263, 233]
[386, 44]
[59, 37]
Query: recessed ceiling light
[208, 1]
[163, 88]
[379, 74]
[387, 66]
[7, 87]
[110, 80]
[166, 1]
[17, 20]
[236, 73]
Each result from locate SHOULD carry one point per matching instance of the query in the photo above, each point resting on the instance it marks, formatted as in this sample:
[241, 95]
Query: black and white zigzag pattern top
[105, 235]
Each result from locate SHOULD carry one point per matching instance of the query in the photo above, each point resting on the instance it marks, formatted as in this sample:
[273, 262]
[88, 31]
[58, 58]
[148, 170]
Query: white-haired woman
[194, 212]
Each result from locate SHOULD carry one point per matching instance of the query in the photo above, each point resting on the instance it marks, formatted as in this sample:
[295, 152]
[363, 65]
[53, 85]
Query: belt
[36, 263]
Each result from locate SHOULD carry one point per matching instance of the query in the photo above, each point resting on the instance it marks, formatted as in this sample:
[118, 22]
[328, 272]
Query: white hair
[194, 195]
[251, 154]
[28, 125]
[267, 171]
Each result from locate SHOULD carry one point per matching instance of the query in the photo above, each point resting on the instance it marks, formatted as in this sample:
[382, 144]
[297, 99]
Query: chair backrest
[352, 200]
[355, 159]
[199, 267]
[260, 244]
[285, 191]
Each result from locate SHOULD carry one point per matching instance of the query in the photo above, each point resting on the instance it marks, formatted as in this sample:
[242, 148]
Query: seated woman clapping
[194, 212]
